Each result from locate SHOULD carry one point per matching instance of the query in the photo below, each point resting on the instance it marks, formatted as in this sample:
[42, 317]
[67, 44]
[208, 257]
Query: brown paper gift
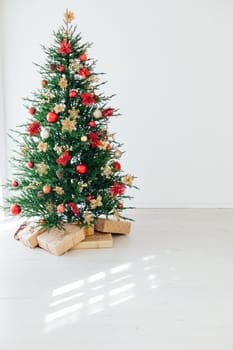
[98, 240]
[60, 241]
[28, 233]
[112, 226]
[89, 231]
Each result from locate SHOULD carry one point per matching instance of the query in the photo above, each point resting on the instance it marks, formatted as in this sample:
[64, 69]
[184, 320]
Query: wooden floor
[166, 286]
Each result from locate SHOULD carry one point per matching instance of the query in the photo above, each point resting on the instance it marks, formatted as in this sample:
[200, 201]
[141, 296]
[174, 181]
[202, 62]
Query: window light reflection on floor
[68, 287]
[121, 278]
[120, 268]
[122, 300]
[63, 312]
[60, 301]
[121, 289]
[97, 277]
[98, 287]
[117, 286]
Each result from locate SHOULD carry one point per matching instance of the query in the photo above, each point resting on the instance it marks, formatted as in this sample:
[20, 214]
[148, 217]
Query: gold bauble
[97, 114]
[118, 154]
[84, 138]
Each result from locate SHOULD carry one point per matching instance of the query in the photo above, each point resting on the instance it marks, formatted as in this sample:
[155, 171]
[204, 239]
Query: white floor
[166, 286]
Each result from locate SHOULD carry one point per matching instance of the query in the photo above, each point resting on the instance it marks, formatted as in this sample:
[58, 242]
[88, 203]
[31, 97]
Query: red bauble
[90, 197]
[52, 117]
[15, 183]
[61, 208]
[73, 93]
[120, 206]
[92, 123]
[81, 169]
[47, 189]
[109, 147]
[32, 110]
[44, 83]
[15, 209]
[61, 69]
[116, 166]
[30, 165]
[42, 221]
[83, 57]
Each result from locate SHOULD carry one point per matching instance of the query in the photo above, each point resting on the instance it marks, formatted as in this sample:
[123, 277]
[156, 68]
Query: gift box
[97, 240]
[58, 241]
[112, 226]
[89, 231]
[28, 234]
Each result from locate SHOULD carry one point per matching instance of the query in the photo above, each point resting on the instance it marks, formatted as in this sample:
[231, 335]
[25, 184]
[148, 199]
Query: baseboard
[184, 206]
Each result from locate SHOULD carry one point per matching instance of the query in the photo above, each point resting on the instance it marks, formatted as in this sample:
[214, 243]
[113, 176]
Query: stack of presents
[72, 236]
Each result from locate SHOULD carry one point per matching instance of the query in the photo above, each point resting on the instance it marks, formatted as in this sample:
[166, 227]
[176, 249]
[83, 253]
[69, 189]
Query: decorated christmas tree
[67, 167]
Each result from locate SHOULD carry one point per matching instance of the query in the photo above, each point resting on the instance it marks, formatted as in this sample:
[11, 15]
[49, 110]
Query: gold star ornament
[42, 169]
[59, 190]
[58, 149]
[106, 171]
[128, 180]
[88, 217]
[74, 113]
[63, 83]
[42, 146]
[59, 108]
[96, 202]
[68, 125]
[69, 16]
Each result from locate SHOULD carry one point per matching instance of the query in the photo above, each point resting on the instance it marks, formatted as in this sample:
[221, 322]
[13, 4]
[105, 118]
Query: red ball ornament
[47, 189]
[116, 166]
[90, 197]
[109, 147]
[83, 57]
[44, 83]
[81, 169]
[30, 165]
[52, 117]
[32, 110]
[120, 206]
[73, 93]
[15, 209]
[42, 221]
[15, 183]
[61, 68]
[92, 123]
[61, 208]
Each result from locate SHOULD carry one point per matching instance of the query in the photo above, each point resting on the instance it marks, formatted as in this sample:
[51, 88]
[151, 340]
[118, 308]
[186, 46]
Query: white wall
[170, 64]
[2, 119]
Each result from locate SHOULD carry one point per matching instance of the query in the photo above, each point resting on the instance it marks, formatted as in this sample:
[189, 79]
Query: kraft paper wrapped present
[112, 226]
[28, 234]
[97, 240]
[58, 241]
[89, 231]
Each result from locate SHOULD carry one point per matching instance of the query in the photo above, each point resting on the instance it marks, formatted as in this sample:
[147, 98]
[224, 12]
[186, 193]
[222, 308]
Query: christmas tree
[67, 165]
